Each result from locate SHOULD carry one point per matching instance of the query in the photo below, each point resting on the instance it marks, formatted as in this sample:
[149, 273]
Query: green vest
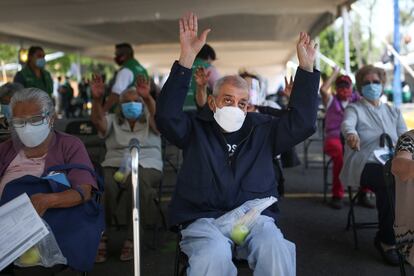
[190, 98]
[45, 82]
[136, 69]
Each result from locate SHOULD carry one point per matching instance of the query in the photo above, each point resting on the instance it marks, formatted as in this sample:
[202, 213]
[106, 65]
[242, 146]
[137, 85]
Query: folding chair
[86, 131]
[351, 221]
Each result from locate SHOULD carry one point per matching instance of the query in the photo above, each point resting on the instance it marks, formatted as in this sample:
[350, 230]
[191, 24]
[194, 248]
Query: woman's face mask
[40, 63]
[33, 135]
[372, 91]
[132, 110]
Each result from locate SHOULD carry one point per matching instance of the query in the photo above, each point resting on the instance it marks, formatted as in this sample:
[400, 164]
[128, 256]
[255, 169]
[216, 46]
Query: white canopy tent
[256, 35]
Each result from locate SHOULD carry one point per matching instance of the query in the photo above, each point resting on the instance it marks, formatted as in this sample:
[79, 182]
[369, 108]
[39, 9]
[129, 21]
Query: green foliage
[331, 44]
[9, 53]
[61, 66]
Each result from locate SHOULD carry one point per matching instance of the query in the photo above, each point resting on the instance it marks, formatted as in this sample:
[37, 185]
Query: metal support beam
[396, 84]
[346, 22]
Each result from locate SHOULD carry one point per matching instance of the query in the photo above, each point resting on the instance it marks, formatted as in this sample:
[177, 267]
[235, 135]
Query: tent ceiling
[253, 34]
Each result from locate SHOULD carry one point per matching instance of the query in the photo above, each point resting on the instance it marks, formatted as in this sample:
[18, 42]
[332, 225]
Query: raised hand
[190, 42]
[288, 87]
[201, 76]
[143, 87]
[97, 86]
[306, 50]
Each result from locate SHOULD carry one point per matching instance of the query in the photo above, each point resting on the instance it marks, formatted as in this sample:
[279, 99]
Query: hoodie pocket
[196, 187]
[259, 183]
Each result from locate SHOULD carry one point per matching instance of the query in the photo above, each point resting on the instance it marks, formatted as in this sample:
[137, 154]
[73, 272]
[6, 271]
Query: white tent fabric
[257, 35]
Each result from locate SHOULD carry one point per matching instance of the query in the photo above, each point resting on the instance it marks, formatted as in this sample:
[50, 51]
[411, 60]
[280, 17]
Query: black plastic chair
[86, 131]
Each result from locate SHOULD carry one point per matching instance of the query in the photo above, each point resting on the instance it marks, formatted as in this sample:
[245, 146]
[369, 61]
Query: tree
[9, 53]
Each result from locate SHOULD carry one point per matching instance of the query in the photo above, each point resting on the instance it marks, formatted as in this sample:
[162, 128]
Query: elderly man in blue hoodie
[228, 155]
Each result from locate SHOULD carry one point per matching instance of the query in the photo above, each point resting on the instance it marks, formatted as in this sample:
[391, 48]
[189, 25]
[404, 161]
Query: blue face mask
[5, 110]
[372, 91]
[132, 110]
[40, 63]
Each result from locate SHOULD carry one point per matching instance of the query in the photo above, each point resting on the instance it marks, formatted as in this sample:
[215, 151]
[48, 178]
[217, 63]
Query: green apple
[119, 176]
[239, 233]
[30, 257]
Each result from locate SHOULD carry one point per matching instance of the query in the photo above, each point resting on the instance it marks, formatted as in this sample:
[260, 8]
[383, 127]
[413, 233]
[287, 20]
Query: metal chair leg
[402, 263]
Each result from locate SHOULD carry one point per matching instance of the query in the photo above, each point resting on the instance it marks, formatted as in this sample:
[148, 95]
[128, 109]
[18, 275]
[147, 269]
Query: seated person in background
[133, 119]
[403, 170]
[364, 122]
[335, 105]
[6, 92]
[228, 160]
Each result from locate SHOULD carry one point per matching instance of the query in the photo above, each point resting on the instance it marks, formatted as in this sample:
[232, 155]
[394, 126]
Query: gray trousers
[118, 199]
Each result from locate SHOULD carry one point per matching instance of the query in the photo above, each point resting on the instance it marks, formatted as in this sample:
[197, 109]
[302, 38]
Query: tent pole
[345, 18]
[396, 84]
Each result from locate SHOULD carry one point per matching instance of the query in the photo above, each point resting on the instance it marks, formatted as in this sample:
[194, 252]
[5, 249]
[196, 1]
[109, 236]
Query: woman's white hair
[35, 96]
[129, 90]
[233, 80]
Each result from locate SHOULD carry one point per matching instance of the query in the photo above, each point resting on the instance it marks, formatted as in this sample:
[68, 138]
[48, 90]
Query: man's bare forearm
[112, 100]
[201, 95]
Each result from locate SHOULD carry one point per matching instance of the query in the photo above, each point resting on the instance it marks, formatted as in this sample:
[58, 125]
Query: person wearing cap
[335, 104]
[34, 73]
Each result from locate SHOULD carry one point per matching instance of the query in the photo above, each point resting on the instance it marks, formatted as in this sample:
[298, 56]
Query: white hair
[129, 90]
[35, 96]
[233, 80]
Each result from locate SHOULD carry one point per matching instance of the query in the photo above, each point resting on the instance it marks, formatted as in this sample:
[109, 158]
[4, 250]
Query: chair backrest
[81, 127]
[86, 131]
[385, 139]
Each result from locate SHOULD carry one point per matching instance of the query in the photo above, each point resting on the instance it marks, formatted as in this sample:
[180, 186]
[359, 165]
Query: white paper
[20, 229]
[382, 155]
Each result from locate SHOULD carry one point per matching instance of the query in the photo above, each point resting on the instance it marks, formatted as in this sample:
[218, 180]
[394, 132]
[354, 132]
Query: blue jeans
[210, 252]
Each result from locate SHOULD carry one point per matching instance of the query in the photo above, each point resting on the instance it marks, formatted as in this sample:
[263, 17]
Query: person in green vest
[126, 76]
[33, 73]
[203, 67]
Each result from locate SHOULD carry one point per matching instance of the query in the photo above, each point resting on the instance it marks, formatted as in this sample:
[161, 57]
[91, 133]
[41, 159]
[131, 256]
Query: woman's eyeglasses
[34, 121]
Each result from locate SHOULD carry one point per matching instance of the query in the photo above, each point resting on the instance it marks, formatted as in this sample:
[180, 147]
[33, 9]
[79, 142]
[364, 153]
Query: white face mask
[229, 118]
[32, 136]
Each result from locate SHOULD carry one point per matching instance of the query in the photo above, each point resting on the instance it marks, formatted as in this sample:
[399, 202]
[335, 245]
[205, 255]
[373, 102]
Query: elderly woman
[403, 170]
[134, 119]
[335, 104]
[364, 122]
[35, 146]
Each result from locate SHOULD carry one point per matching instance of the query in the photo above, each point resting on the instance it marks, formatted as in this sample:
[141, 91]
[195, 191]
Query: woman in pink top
[35, 146]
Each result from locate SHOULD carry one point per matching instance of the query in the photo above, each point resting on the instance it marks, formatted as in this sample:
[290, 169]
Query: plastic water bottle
[124, 170]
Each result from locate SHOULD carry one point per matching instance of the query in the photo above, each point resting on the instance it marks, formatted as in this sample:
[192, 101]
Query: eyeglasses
[371, 82]
[34, 121]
